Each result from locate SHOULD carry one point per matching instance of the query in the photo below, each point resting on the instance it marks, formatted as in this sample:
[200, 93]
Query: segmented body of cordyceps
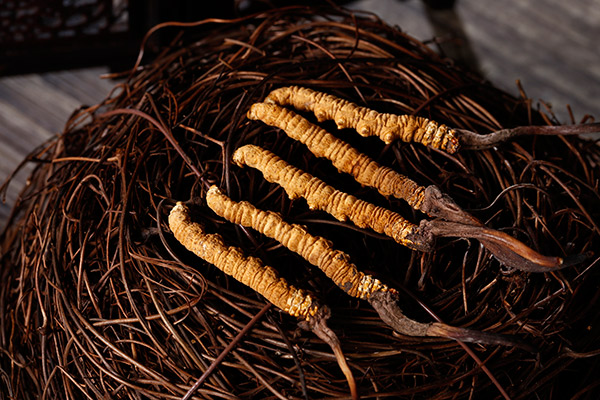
[344, 157]
[321, 196]
[367, 122]
[248, 270]
[315, 249]
[338, 267]
[263, 279]
[429, 200]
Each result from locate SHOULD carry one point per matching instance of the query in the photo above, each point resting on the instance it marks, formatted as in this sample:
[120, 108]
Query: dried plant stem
[264, 279]
[320, 328]
[504, 247]
[321, 196]
[337, 266]
[225, 352]
[367, 122]
[473, 141]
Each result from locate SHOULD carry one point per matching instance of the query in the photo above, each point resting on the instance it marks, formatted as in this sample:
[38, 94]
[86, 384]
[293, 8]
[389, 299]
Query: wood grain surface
[33, 108]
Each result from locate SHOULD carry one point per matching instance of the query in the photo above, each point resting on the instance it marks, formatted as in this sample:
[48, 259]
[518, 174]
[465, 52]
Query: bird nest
[99, 300]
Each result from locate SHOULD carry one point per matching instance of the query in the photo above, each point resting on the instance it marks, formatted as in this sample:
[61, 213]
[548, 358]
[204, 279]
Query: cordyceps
[321, 196]
[262, 278]
[367, 122]
[337, 266]
[408, 128]
[95, 304]
[452, 220]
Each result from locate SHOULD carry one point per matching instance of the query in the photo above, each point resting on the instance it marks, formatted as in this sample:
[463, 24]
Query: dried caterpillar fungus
[315, 249]
[337, 266]
[321, 196]
[343, 156]
[248, 270]
[429, 200]
[263, 279]
[367, 122]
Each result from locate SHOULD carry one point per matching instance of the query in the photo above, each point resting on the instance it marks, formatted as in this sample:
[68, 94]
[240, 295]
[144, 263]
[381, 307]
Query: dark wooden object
[45, 35]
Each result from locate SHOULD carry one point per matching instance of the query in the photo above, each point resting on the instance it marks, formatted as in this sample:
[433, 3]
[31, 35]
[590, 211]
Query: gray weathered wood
[551, 46]
[33, 108]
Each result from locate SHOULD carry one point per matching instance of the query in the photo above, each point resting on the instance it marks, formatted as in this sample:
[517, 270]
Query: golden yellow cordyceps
[367, 122]
[321, 196]
[343, 156]
[264, 279]
[248, 270]
[315, 249]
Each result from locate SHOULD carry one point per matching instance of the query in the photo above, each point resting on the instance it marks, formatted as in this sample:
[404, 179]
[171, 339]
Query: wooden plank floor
[552, 46]
[33, 108]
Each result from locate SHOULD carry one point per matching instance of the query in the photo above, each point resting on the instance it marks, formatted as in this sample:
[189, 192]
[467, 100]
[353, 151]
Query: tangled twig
[94, 305]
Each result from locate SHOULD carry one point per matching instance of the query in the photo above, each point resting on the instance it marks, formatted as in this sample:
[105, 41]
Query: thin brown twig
[226, 351]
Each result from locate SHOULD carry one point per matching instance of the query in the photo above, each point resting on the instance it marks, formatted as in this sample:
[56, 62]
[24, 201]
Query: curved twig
[470, 140]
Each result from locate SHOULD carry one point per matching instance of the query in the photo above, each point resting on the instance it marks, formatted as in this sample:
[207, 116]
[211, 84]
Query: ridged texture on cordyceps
[98, 300]
[315, 249]
[367, 122]
[342, 155]
[321, 196]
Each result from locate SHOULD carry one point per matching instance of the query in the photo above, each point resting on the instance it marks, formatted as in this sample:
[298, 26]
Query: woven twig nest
[99, 301]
